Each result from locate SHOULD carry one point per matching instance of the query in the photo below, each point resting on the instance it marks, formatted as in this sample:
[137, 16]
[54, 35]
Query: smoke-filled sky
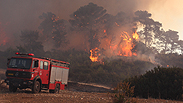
[17, 15]
[169, 13]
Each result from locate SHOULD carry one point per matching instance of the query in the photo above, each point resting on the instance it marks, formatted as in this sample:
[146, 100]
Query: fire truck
[26, 71]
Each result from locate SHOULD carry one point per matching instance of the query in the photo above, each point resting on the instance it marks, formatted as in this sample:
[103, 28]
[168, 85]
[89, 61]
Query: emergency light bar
[28, 54]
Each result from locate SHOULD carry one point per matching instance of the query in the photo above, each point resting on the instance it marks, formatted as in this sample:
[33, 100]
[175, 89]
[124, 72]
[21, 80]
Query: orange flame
[122, 46]
[104, 31]
[94, 56]
[135, 36]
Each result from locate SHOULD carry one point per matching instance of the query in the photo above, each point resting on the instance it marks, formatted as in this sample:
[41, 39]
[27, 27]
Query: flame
[104, 31]
[116, 24]
[122, 46]
[125, 45]
[94, 56]
[135, 36]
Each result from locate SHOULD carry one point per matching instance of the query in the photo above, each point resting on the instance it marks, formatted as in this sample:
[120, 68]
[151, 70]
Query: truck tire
[36, 87]
[56, 90]
[12, 88]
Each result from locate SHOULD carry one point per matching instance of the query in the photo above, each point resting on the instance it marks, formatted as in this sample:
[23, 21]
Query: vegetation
[165, 83]
[170, 60]
[123, 92]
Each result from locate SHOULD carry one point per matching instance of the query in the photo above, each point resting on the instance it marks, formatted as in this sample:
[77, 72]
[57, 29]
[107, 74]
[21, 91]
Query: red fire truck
[26, 71]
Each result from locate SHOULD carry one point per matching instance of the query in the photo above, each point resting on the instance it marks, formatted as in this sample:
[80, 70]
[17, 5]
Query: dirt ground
[74, 93]
[66, 96]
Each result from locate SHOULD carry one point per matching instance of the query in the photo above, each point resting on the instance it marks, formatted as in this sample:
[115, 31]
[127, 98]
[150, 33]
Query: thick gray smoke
[18, 15]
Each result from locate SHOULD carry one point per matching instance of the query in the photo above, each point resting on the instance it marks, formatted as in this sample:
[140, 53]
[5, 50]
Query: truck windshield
[22, 63]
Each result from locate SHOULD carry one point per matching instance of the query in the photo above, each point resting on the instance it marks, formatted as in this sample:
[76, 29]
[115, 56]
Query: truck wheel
[12, 88]
[57, 88]
[36, 87]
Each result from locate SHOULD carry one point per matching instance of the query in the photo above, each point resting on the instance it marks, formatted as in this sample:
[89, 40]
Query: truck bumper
[19, 83]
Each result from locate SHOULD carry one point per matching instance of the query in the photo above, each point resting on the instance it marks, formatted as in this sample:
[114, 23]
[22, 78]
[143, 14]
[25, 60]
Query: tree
[31, 43]
[59, 33]
[53, 29]
[47, 24]
[173, 39]
[170, 41]
[122, 19]
[88, 18]
[180, 42]
[150, 27]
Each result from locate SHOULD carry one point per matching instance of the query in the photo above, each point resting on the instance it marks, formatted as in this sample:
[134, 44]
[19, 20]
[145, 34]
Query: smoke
[19, 15]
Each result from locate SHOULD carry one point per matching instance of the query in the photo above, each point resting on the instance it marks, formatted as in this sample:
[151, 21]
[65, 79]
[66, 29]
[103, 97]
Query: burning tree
[122, 35]
[108, 35]
[90, 18]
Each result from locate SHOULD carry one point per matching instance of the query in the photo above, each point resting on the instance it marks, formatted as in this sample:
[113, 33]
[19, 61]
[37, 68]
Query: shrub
[122, 93]
[164, 83]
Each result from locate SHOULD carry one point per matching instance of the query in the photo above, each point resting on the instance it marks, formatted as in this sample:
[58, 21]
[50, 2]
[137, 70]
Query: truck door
[35, 67]
[44, 71]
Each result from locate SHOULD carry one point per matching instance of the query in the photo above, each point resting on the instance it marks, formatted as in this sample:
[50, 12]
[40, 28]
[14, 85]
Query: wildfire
[94, 54]
[122, 46]
[135, 36]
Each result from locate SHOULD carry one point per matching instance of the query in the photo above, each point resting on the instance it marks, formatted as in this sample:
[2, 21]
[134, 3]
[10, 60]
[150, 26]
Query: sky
[17, 15]
[169, 13]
